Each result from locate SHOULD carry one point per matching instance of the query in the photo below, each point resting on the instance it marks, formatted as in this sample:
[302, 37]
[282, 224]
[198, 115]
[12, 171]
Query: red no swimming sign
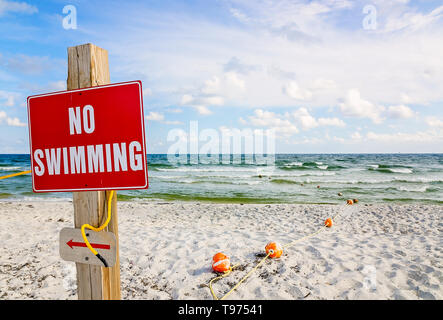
[88, 139]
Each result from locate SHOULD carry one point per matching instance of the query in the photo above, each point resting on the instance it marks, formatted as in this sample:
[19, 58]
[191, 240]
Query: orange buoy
[355, 200]
[274, 250]
[220, 262]
[349, 201]
[328, 222]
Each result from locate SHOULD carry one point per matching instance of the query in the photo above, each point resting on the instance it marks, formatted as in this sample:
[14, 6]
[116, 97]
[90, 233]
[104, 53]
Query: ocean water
[291, 178]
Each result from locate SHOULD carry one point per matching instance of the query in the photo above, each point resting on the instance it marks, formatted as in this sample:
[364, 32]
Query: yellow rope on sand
[236, 286]
[253, 269]
[225, 274]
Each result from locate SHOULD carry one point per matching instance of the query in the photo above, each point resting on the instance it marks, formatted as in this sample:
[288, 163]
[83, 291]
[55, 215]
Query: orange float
[349, 201]
[355, 200]
[328, 222]
[274, 250]
[220, 262]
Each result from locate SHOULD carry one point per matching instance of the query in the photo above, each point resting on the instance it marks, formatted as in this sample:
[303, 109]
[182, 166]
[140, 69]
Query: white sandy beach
[372, 252]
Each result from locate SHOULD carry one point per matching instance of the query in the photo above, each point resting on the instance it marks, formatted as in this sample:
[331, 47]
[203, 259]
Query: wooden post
[88, 67]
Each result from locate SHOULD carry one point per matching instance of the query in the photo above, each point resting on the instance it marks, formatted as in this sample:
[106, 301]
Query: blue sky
[328, 76]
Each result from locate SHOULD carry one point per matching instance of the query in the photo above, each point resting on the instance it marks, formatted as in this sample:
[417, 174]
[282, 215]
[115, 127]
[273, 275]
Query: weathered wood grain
[87, 67]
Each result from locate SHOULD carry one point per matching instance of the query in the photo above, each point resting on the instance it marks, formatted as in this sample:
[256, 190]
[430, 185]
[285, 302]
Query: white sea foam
[214, 169]
[235, 182]
[400, 170]
[298, 164]
[419, 180]
[304, 174]
[10, 168]
[412, 189]
[166, 177]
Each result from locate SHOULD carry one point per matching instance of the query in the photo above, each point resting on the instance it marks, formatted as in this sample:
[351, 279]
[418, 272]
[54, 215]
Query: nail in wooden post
[88, 67]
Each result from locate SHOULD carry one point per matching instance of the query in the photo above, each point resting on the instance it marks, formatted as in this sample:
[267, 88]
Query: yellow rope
[258, 265]
[253, 269]
[213, 280]
[99, 228]
[236, 286]
[15, 174]
[225, 274]
[304, 238]
[85, 225]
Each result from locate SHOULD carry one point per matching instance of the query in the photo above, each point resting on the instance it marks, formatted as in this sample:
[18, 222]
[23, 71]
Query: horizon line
[283, 153]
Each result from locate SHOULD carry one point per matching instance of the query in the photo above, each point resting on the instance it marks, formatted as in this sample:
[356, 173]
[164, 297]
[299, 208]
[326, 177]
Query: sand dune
[372, 252]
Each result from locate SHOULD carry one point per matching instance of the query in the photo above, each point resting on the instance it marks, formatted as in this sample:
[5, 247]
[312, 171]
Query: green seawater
[288, 178]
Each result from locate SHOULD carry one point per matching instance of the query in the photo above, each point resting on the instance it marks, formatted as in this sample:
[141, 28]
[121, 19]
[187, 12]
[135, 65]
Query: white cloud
[434, 122]
[308, 140]
[51, 86]
[431, 136]
[323, 84]
[400, 112]
[13, 122]
[57, 85]
[147, 92]
[410, 20]
[174, 110]
[155, 116]
[211, 86]
[293, 90]
[320, 56]
[30, 65]
[355, 106]
[212, 100]
[394, 140]
[7, 99]
[356, 136]
[267, 119]
[207, 95]
[233, 78]
[339, 139]
[292, 16]
[337, 57]
[214, 92]
[186, 99]
[305, 120]
[235, 65]
[175, 122]
[335, 122]
[239, 15]
[16, 7]
[202, 110]
[287, 124]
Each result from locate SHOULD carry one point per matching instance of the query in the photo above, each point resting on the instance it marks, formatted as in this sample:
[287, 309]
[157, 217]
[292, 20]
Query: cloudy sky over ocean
[328, 76]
